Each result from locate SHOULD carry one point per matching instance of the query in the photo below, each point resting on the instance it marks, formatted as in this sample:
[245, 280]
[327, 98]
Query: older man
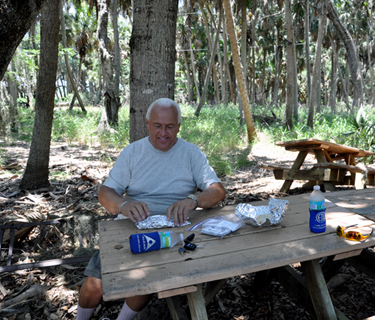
[160, 173]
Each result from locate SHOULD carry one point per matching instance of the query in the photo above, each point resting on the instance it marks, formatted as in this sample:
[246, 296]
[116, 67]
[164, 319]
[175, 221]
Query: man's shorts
[94, 268]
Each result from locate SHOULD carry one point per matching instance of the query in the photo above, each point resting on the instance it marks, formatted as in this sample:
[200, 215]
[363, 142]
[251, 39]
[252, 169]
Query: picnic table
[249, 249]
[327, 170]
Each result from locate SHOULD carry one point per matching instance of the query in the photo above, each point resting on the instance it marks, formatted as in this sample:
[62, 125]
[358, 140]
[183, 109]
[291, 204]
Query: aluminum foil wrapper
[157, 222]
[262, 215]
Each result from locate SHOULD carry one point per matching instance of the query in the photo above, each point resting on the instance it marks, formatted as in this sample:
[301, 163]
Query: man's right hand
[135, 210]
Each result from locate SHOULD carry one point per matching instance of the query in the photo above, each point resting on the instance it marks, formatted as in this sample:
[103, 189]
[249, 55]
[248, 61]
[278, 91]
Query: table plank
[295, 145]
[192, 271]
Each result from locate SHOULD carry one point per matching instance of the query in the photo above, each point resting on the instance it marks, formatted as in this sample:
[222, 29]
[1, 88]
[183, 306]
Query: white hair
[167, 103]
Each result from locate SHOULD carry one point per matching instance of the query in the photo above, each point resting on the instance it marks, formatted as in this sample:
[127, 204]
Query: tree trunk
[212, 49]
[36, 172]
[343, 86]
[227, 77]
[212, 59]
[68, 69]
[352, 57]
[290, 66]
[185, 46]
[251, 133]
[315, 96]
[13, 93]
[111, 100]
[295, 80]
[243, 56]
[278, 60]
[369, 49]
[16, 19]
[307, 48]
[152, 50]
[334, 68]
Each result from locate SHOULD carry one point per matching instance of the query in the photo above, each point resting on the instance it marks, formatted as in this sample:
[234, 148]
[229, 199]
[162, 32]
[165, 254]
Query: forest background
[308, 73]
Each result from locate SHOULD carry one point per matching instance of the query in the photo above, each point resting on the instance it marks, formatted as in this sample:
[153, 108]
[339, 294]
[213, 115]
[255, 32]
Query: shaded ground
[78, 172]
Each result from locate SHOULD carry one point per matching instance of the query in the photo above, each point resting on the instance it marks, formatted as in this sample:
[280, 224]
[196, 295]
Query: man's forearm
[110, 200]
[211, 196]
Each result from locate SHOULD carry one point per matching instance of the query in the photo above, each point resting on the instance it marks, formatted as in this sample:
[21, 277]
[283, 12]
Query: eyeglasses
[351, 235]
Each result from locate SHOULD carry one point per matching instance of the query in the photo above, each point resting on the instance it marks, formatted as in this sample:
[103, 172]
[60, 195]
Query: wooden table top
[311, 144]
[250, 249]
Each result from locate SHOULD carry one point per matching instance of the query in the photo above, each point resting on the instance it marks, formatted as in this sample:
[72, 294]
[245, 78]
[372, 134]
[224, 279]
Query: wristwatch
[193, 197]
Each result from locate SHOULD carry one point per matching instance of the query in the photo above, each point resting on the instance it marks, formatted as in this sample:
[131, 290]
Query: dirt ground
[77, 172]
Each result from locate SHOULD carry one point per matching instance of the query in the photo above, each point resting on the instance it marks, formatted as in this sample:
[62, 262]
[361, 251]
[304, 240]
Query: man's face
[163, 127]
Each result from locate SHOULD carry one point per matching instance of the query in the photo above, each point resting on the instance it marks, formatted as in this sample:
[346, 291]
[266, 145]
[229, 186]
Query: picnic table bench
[326, 171]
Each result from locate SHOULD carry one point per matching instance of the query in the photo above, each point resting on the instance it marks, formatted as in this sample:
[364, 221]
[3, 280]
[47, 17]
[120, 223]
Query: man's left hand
[179, 211]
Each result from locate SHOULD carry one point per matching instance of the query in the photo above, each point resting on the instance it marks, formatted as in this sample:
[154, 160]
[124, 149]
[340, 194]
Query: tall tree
[110, 99]
[36, 173]
[352, 57]
[307, 46]
[290, 66]
[251, 133]
[152, 59]
[314, 100]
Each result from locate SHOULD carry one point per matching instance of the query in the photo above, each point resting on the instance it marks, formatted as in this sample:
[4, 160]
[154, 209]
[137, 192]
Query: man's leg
[90, 296]
[133, 306]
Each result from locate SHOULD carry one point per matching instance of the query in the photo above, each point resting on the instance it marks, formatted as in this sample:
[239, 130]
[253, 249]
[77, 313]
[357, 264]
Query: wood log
[34, 290]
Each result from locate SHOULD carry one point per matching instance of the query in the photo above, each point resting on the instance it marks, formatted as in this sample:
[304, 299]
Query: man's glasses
[351, 235]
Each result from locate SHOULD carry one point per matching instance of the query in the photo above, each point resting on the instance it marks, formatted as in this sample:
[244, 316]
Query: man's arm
[112, 201]
[206, 199]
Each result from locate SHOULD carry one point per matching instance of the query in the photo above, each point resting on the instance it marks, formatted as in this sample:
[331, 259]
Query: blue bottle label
[144, 242]
[318, 220]
[166, 240]
[317, 205]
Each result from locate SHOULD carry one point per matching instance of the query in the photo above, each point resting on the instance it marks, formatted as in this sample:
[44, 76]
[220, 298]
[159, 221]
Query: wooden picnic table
[249, 249]
[326, 170]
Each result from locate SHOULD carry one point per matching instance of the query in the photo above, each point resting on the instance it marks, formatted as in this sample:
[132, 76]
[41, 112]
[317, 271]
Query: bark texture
[353, 62]
[16, 19]
[111, 100]
[251, 133]
[36, 173]
[314, 100]
[290, 66]
[152, 59]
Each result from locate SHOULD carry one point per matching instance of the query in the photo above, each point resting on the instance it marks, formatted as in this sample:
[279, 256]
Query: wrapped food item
[262, 215]
[157, 222]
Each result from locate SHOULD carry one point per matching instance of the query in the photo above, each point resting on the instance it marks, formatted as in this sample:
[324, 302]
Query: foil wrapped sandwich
[262, 215]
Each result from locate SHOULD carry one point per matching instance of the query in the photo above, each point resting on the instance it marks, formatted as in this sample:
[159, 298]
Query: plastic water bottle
[317, 211]
[144, 242]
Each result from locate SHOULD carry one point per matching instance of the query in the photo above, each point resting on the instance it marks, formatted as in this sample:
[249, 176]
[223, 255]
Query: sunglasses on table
[352, 235]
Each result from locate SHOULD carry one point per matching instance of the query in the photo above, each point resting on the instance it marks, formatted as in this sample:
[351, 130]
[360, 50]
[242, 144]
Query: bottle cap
[316, 187]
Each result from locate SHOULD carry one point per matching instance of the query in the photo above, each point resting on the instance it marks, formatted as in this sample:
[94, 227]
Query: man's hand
[179, 211]
[136, 211]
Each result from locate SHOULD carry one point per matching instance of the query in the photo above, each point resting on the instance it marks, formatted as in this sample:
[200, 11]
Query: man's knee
[90, 294]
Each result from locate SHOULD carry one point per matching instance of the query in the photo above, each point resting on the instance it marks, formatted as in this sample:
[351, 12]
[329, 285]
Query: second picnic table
[326, 170]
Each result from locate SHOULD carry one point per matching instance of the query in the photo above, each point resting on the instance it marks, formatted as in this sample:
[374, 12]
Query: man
[159, 173]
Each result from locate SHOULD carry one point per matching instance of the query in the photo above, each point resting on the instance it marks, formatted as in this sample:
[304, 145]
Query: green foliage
[362, 132]
[218, 133]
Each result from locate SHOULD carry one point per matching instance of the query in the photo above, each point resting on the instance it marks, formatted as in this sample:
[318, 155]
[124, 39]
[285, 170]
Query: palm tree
[36, 173]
